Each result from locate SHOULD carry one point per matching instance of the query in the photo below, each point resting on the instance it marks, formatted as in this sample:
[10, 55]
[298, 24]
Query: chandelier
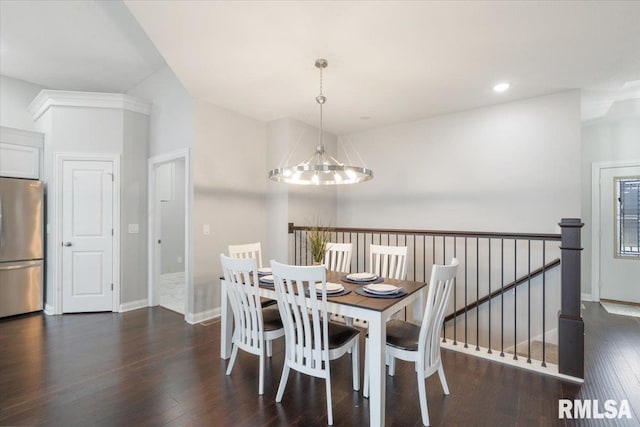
[321, 168]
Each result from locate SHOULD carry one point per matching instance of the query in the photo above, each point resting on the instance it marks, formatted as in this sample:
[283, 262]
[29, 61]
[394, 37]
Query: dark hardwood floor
[148, 367]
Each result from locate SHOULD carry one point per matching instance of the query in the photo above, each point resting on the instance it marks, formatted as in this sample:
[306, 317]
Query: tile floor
[172, 295]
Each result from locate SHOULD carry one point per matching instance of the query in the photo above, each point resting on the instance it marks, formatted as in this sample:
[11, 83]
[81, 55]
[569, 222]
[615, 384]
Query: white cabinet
[20, 153]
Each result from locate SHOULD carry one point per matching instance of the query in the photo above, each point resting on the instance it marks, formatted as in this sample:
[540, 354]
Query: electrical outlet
[179, 260]
[134, 228]
[207, 229]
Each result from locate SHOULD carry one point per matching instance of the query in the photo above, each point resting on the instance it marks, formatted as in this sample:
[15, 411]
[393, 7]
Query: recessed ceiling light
[501, 87]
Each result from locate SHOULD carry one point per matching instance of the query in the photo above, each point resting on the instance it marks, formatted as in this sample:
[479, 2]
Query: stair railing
[488, 310]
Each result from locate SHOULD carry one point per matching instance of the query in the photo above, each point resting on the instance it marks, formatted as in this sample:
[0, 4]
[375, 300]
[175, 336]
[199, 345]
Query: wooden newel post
[570, 324]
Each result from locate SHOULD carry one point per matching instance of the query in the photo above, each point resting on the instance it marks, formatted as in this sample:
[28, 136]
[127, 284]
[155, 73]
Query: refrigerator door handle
[18, 267]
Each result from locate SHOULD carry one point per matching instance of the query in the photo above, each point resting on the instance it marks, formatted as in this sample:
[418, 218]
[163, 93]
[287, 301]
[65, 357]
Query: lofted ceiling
[75, 45]
[389, 61]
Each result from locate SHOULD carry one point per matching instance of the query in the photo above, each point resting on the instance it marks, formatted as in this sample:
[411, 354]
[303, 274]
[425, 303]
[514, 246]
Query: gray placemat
[360, 282]
[360, 291]
[337, 294]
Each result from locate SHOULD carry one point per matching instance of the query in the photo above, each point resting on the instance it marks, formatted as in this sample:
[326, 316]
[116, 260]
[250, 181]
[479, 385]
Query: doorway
[169, 218]
[616, 222]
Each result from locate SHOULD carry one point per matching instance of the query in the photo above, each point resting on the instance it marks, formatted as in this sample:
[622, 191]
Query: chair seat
[403, 335]
[271, 320]
[267, 302]
[339, 334]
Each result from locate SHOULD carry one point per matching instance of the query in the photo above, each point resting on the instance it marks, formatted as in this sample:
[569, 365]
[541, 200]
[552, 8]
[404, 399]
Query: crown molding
[50, 98]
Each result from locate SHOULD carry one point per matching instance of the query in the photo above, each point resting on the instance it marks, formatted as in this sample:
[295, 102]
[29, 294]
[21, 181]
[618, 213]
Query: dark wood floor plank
[149, 368]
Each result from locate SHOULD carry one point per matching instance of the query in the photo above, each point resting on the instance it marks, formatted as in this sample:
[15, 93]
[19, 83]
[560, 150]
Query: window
[627, 216]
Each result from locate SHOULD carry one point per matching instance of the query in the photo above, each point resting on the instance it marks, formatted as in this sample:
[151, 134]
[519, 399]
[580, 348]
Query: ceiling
[75, 45]
[389, 62]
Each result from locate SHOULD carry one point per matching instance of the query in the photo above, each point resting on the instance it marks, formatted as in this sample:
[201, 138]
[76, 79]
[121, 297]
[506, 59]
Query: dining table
[374, 310]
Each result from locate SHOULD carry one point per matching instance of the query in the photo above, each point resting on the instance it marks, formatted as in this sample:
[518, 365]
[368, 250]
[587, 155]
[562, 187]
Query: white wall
[614, 137]
[15, 97]
[230, 186]
[513, 167]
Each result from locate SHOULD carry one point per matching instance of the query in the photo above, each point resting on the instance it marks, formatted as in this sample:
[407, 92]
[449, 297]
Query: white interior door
[619, 257]
[87, 236]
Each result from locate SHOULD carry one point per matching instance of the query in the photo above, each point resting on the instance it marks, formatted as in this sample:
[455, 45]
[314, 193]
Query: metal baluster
[529, 303]
[414, 257]
[489, 297]
[477, 293]
[444, 338]
[544, 301]
[502, 297]
[515, 299]
[424, 258]
[455, 296]
[295, 248]
[357, 251]
[465, 294]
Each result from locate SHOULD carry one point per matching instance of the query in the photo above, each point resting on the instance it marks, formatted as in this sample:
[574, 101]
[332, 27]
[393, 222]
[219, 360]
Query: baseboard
[586, 297]
[550, 370]
[134, 305]
[193, 318]
[48, 310]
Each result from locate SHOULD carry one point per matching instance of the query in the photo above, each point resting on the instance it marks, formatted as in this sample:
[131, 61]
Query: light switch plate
[134, 228]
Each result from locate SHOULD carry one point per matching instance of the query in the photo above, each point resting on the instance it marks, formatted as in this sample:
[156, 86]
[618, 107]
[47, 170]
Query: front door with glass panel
[620, 234]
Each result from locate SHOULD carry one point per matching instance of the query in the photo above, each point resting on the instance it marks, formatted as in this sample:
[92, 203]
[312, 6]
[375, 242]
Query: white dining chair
[388, 261]
[252, 250]
[253, 325]
[249, 250]
[338, 257]
[420, 344]
[311, 340]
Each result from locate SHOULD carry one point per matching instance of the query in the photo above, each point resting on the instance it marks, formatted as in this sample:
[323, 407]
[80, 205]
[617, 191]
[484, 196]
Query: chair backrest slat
[440, 285]
[338, 257]
[388, 261]
[241, 277]
[303, 313]
[249, 250]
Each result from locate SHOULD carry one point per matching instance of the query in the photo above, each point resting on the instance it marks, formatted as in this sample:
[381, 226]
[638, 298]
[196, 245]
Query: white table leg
[226, 322]
[377, 380]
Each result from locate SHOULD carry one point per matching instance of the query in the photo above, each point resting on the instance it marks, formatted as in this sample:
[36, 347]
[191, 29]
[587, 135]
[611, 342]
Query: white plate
[362, 277]
[264, 270]
[381, 289]
[267, 279]
[332, 288]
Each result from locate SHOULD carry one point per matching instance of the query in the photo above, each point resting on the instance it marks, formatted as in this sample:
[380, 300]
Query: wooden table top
[371, 303]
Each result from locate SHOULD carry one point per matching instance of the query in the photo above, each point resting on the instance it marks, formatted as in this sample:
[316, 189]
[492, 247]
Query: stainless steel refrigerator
[21, 246]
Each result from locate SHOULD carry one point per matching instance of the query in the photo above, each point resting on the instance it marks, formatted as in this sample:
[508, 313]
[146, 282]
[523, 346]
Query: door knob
[67, 244]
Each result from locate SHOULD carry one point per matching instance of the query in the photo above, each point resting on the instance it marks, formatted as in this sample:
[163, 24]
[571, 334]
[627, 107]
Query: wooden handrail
[480, 234]
[497, 292]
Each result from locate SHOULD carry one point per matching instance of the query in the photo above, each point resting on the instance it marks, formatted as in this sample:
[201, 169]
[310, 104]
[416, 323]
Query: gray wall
[229, 177]
[104, 131]
[291, 142]
[15, 97]
[172, 225]
[133, 191]
[512, 167]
